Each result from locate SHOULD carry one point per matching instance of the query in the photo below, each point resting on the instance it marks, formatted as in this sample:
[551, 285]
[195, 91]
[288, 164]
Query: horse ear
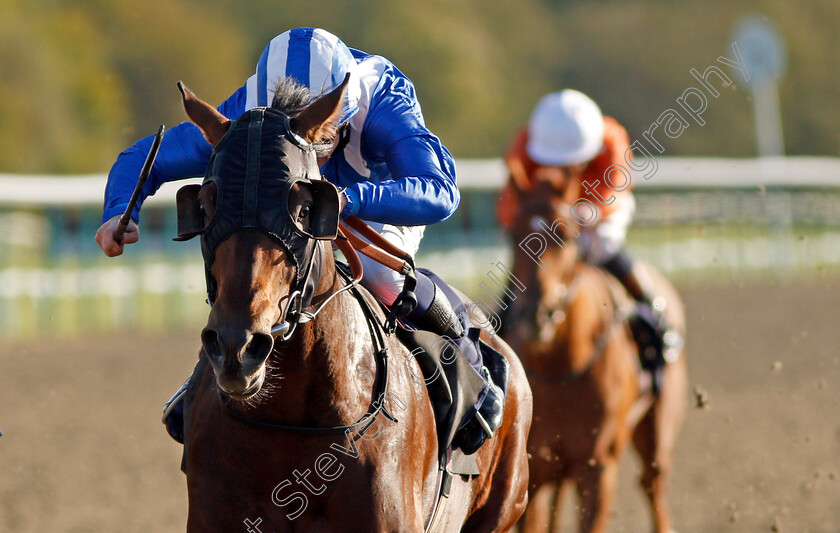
[319, 120]
[211, 123]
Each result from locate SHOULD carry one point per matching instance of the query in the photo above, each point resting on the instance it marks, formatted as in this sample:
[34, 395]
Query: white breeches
[611, 232]
[384, 283]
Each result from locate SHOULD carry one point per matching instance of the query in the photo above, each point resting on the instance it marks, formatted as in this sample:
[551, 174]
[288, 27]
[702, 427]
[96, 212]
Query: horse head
[546, 234]
[263, 212]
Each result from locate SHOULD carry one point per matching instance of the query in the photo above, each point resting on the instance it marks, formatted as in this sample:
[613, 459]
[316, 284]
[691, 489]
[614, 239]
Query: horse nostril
[259, 347]
[210, 341]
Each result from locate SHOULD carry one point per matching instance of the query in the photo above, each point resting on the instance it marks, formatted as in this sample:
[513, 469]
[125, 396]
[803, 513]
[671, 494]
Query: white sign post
[763, 53]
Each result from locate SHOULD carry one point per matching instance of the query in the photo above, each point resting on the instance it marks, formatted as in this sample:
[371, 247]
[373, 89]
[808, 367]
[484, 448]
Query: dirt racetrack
[84, 449]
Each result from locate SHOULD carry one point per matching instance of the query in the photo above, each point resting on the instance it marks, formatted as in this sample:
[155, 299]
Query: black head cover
[254, 167]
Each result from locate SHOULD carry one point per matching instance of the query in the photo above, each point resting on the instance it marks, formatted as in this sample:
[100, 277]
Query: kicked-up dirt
[84, 449]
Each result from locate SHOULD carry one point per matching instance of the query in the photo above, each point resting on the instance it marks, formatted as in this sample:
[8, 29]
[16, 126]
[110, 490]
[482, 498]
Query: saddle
[453, 410]
[454, 387]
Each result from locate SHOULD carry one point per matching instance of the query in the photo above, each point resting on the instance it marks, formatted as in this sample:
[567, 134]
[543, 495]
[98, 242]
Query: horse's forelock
[292, 97]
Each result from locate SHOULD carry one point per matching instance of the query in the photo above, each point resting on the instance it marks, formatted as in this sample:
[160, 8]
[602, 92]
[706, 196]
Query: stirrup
[486, 420]
[484, 425]
[658, 343]
[672, 345]
[671, 339]
[645, 326]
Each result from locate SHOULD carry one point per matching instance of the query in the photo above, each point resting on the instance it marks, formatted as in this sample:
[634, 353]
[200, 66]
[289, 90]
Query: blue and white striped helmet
[315, 58]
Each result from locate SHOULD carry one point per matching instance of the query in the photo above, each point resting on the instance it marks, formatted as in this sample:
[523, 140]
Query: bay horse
[309, 431]
[571, 333]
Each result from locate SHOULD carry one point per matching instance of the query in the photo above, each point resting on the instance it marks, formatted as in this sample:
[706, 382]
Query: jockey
[393, 173]
[567, 132]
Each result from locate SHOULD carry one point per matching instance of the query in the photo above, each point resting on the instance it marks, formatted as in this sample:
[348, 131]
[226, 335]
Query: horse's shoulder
[604, 290]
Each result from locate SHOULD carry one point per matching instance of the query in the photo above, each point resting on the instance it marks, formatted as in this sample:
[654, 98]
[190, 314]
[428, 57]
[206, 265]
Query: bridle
[256, 159]
[569, 289]
[380, 392]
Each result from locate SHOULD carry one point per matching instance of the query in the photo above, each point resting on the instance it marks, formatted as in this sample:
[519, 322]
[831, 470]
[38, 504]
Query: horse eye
[304, 212]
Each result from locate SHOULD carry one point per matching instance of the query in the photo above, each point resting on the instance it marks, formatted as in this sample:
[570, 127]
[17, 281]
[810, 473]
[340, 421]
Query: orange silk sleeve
[616, 143]
[517, 162]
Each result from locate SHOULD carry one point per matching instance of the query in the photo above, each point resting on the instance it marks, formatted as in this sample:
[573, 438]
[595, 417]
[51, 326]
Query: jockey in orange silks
[568, 136]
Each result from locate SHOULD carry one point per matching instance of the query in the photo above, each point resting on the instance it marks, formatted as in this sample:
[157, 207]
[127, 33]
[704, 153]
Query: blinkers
[262, 176]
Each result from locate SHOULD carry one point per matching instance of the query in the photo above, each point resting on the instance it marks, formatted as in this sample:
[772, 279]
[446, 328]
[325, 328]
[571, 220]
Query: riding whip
[144, 175]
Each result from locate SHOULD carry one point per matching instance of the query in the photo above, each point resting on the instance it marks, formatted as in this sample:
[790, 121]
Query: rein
[383, 252]
[600, 344]
[378, 249]
[380, 380]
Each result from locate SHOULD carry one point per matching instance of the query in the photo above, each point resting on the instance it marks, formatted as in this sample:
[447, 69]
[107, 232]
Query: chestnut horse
[309, 431]
[569, 330]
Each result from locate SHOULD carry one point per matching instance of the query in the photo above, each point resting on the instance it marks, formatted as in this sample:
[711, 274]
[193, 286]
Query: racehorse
[570, 331]
[297, 423]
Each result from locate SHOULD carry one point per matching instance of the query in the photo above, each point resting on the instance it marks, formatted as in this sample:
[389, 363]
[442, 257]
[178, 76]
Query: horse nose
[258, 348]
[237, 347]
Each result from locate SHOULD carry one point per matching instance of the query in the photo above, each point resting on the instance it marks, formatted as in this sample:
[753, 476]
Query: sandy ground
[84, 449]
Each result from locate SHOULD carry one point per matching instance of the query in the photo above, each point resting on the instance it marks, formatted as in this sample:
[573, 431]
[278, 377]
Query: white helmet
[566, 128]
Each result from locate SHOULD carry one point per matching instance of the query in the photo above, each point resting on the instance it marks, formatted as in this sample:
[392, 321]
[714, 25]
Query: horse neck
[566, 260]
[559, 267]
[317, 375]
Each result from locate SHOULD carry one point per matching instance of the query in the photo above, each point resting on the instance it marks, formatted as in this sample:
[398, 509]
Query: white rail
[45, 190]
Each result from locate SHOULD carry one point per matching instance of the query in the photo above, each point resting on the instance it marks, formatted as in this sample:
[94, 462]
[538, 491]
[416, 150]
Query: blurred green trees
[82, 80]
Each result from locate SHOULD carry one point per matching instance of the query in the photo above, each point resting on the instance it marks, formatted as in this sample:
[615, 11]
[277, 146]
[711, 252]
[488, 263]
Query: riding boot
[486, 420]
[439, 317]
[659, 343]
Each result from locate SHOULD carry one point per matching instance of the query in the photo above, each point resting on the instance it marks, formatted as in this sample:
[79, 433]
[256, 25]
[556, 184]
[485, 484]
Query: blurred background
[90, 347]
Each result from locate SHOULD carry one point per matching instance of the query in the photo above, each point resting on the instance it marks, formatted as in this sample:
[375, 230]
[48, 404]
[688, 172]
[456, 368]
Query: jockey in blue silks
[395, 174]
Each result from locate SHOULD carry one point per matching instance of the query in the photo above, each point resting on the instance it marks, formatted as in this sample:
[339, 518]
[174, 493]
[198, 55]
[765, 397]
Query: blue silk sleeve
[422, 189]
[184, 153]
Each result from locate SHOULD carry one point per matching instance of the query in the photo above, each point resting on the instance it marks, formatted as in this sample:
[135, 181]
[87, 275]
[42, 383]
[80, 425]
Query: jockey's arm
[422, 189]
[184, 153]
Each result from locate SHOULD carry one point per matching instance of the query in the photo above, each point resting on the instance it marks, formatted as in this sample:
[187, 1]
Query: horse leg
[654, 439]
[656, 465]
[538, 514]
[557, 518]
[500, 502]
[506, 503]
[596, 487]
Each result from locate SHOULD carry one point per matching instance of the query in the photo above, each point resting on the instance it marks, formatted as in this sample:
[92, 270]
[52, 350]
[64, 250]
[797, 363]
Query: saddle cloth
[455, 385]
